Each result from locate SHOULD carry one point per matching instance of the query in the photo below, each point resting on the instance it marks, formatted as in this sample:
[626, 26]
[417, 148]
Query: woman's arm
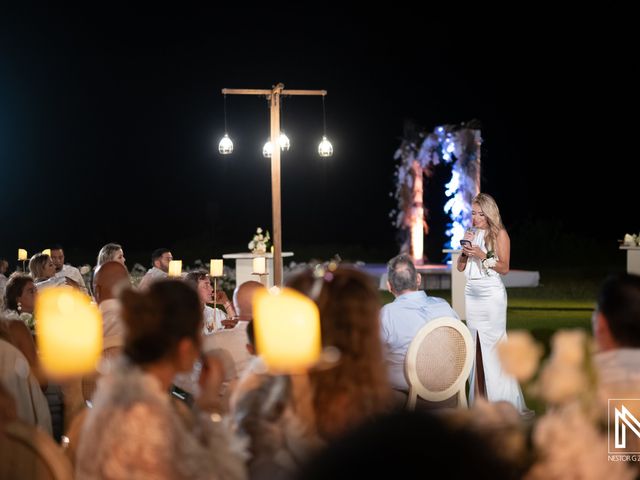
[503, 252]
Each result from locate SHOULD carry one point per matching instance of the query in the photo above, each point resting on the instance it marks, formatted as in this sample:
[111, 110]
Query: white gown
[486, 308]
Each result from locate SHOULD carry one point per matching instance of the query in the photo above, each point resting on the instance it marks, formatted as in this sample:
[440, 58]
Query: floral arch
[418, 154]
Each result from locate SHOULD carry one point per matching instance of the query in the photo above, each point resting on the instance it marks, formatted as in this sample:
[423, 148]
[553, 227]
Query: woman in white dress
[483, 260]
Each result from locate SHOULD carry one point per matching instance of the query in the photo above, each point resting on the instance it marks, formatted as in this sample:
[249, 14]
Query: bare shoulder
[503, 235]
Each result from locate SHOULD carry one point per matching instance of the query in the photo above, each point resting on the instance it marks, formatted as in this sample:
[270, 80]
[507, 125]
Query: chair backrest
[26, 452]
[439, 361]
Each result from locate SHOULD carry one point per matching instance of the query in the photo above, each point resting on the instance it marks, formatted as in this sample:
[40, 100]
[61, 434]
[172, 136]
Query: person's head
[41, 267]
[160, 258]
[357, 387]
[4, 266]
[201, 281]
[616, 319]
[243, 298]
[163, 324]
[416, 441]
[486, 215]
[107, 279]
[111, 252]
[20, 293]
[57, 257]
[402, 276]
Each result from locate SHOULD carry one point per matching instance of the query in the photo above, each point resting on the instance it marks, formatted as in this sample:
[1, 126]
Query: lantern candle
[259, 265]
[22, 254]
[69, 331]
[47, 251]
[287, 328]
[216, 268]
[175, 268]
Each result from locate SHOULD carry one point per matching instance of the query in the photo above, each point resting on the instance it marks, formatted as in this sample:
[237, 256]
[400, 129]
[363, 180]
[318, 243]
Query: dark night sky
[109, 122]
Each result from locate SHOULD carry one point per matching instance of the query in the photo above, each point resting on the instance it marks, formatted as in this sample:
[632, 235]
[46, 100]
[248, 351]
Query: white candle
[216, 268]
[47, 251]
[259, 265]
[175, 268]
[22, 254]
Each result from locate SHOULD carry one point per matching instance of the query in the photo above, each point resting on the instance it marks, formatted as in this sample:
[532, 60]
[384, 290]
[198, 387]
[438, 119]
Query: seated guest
[406, 315]
[616, 329]
[62, 270]
[18, 379]
[213, 317]
[111, 252]
[160, 259]
[109, 277]
[290, 417]
[20, 299]
[43, 271]
[133, 431]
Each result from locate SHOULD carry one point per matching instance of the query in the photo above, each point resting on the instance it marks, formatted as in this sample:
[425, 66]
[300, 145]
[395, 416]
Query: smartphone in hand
[465, 243]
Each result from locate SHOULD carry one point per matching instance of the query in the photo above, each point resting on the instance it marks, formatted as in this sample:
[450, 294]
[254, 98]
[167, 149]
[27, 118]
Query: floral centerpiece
[631, 240]
[260, 242]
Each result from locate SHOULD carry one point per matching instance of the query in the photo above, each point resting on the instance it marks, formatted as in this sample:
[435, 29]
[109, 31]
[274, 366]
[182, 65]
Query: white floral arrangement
[490, 262]
[631, 240]
[260, 242]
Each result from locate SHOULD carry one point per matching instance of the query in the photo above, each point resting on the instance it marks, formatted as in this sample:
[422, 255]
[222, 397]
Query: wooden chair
[26, 452]
[439, 361]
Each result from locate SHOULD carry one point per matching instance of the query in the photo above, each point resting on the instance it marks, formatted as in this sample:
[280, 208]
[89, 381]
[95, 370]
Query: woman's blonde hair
[491, 212]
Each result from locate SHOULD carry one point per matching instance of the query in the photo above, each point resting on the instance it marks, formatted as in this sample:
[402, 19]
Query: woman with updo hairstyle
[356, 388]
[133, 430]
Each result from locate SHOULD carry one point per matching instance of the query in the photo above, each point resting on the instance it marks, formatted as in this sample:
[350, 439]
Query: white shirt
[233, 340]
[151, 276]
[74, 274]
[50, 282]
[400, 322]
[209, 314]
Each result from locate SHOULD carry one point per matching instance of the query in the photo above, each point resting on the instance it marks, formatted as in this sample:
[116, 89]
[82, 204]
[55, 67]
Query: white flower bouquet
[260, 242]
[631, 240]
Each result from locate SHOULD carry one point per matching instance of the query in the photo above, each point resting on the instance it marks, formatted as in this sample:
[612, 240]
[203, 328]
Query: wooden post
[274, 97]
[275, 185]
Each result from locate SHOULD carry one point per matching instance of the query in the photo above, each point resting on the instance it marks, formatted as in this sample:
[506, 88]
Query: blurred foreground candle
[22, 254]
[68, 331]
[47, 251]
[287, 329]
[259, 265]
[175, 268]
[216, 268]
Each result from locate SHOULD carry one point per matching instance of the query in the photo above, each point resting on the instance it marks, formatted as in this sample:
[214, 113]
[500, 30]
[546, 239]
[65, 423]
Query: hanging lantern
[225, 147]
[287, 330]
[325, 149]
[68, 331]
[284, 142]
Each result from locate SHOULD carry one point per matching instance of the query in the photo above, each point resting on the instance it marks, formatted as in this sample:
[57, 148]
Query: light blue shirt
[400, 322]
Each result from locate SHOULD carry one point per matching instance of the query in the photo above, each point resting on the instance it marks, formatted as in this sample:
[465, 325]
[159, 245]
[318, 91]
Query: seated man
[66, 271]
[616, 328]
[406, 315]
[160, 259]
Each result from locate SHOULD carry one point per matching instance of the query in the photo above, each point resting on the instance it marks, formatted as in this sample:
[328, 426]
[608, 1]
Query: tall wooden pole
[275, 185]
[274, 98]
